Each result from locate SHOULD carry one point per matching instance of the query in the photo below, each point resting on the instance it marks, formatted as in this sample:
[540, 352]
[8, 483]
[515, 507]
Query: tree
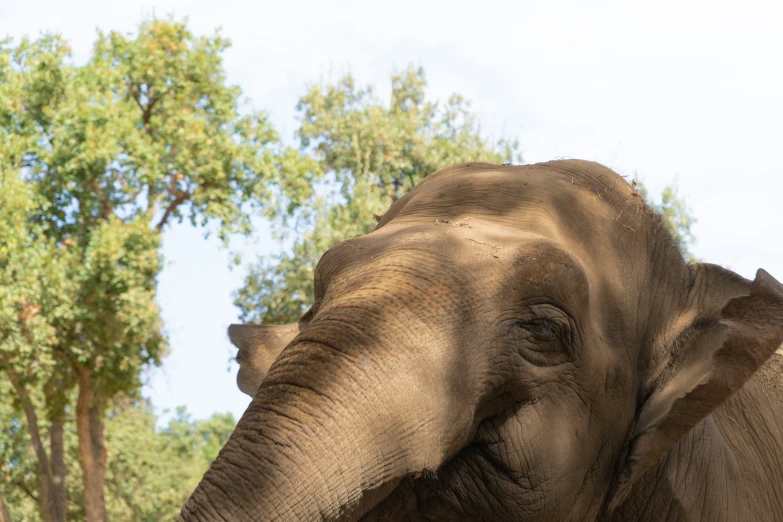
[153, 472]
[147, 132]
[149, 477]
[116, 332]
[374, 152]
[33, 286]
[19, 484]
[47, 294]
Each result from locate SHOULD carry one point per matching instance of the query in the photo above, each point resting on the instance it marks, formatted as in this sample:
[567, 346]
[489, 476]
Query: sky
[680, 90]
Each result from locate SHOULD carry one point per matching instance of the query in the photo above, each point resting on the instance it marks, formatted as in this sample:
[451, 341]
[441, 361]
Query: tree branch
[151, 105]
[27, 491]
[131, 197]
[146, 111]
[35, 437]
[176, 202]
[92, 450]
[108, 207]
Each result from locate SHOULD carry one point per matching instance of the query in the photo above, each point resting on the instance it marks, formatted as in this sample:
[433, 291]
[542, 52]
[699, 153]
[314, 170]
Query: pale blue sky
[665, 88]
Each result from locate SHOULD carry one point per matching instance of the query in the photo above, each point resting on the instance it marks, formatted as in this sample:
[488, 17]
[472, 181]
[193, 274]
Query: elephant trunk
[331, 432]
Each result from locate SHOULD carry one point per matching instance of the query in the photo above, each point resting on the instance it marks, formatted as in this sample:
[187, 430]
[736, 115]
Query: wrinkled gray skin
[512, 343]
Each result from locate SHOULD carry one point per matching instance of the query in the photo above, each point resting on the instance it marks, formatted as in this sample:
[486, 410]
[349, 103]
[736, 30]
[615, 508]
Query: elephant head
[510, 343]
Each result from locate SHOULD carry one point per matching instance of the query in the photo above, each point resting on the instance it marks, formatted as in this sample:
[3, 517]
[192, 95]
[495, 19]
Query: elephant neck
[721, 469]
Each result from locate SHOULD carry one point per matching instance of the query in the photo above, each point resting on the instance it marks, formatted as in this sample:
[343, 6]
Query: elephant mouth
[440, 494]
[241, 357]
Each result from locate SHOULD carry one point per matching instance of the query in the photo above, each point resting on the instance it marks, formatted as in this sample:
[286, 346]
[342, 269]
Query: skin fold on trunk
[92, 452]
[338, 447]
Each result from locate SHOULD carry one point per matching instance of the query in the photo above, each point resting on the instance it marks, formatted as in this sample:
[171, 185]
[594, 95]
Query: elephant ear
[728, 329]
[259, 345]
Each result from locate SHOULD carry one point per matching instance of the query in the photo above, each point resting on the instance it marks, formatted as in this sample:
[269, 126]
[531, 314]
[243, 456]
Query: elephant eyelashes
[542, 329]
[545, 341]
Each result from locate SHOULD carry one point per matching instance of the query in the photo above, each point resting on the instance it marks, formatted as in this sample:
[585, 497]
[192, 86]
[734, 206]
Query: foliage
[148, 127]
[34, 290]
[47, 292]
[116, 328]
[145, 133]
[374, 152]
[34, 284]
[19, 480]
[151, 471]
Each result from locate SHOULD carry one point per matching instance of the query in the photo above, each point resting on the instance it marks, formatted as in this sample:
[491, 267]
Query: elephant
[511, 343]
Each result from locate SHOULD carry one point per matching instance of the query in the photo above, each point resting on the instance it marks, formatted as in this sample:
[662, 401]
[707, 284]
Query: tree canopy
[34, 290]
[151, 472]
[146, 132]
[147, 128]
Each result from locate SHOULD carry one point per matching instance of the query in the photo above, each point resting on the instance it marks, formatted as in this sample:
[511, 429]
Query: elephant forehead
[570, 192]
[457, 256]
[587, 208]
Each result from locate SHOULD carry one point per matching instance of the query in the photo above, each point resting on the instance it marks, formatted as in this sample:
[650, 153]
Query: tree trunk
[57, 454]
[4, 515]
[44, 471]
[92, 453]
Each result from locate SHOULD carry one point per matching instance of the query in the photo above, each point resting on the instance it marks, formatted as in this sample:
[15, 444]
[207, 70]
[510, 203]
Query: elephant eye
[542, 329]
